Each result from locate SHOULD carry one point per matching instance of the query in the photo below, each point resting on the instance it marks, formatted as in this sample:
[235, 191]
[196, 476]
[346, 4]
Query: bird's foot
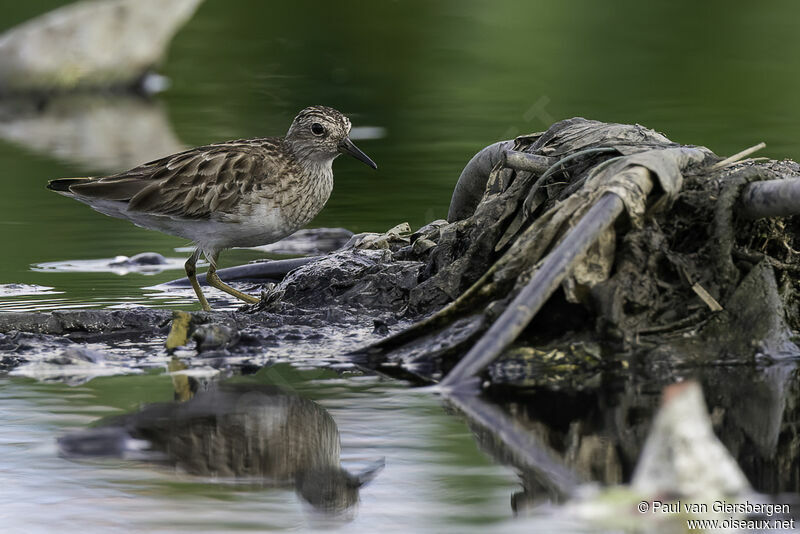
[248, 298]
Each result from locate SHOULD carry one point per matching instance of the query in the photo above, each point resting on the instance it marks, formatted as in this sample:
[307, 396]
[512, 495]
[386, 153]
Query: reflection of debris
[105, 133]
[682, 461]
[511, 443]
[95, 44]
[143, 263]
[682, 457]
[75, 365]
[568, 366]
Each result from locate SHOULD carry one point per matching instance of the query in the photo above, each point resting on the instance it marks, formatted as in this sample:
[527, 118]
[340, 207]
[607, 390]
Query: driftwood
[771, 198]
[545, 219]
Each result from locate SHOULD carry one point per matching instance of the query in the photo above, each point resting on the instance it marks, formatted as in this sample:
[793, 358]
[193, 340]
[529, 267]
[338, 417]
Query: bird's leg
[191, 272]
[213, 280]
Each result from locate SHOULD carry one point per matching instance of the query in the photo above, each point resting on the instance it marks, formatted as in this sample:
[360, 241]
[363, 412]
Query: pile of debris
[697, 265]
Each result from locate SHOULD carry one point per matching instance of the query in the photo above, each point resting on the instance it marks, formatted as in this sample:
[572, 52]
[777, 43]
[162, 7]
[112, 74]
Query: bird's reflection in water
[242, 431]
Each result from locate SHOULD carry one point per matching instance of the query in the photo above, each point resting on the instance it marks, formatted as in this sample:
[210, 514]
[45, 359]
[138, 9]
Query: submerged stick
[558, 264]
[275, 269]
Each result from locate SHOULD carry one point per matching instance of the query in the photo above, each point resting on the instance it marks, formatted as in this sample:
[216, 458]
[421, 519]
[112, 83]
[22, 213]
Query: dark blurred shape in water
[90, 44]
[599, 433]
[106, 133]
[253, 432]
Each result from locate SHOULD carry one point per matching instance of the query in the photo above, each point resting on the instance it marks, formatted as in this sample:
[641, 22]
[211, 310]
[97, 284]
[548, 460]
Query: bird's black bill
[348, 147]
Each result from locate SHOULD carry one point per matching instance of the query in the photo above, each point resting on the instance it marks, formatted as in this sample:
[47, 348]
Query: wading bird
[242, 193]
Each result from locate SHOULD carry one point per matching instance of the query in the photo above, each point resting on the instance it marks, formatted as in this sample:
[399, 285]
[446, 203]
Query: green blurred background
[441, 79]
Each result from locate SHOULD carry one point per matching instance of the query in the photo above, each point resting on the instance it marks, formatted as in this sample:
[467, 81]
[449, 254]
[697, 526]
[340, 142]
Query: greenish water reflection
[435, 477]
[443, 79]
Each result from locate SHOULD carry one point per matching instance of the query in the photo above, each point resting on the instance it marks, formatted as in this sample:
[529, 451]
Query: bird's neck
[316, 182]
[316, 169]
[311, 163]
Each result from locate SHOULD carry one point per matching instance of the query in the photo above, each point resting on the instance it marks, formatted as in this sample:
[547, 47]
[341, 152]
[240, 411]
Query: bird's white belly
[260, 226]
[254, 230]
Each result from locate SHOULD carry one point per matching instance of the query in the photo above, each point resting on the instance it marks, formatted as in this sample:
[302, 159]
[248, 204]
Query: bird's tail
[63, 184]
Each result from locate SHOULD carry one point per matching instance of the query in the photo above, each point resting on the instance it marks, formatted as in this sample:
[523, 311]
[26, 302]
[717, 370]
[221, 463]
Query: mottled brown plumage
[247, 192]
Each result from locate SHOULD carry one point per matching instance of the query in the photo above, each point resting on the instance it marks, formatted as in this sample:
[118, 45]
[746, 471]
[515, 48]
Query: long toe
[249, 298]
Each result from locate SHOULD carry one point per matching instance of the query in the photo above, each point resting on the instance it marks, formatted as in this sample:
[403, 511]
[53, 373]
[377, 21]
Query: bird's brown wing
[193, 183]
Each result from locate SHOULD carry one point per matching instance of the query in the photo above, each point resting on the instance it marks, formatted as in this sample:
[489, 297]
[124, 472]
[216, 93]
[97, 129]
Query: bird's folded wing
[192, 184]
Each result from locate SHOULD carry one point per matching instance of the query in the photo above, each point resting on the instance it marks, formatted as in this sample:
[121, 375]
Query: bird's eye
[317, 129]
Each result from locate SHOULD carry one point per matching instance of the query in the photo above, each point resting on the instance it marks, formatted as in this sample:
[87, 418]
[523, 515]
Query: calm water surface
[435, 477]
[429, 84]
[436, 81]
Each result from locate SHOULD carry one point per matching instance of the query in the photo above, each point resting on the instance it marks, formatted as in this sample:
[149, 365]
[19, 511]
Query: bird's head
[320, 133]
